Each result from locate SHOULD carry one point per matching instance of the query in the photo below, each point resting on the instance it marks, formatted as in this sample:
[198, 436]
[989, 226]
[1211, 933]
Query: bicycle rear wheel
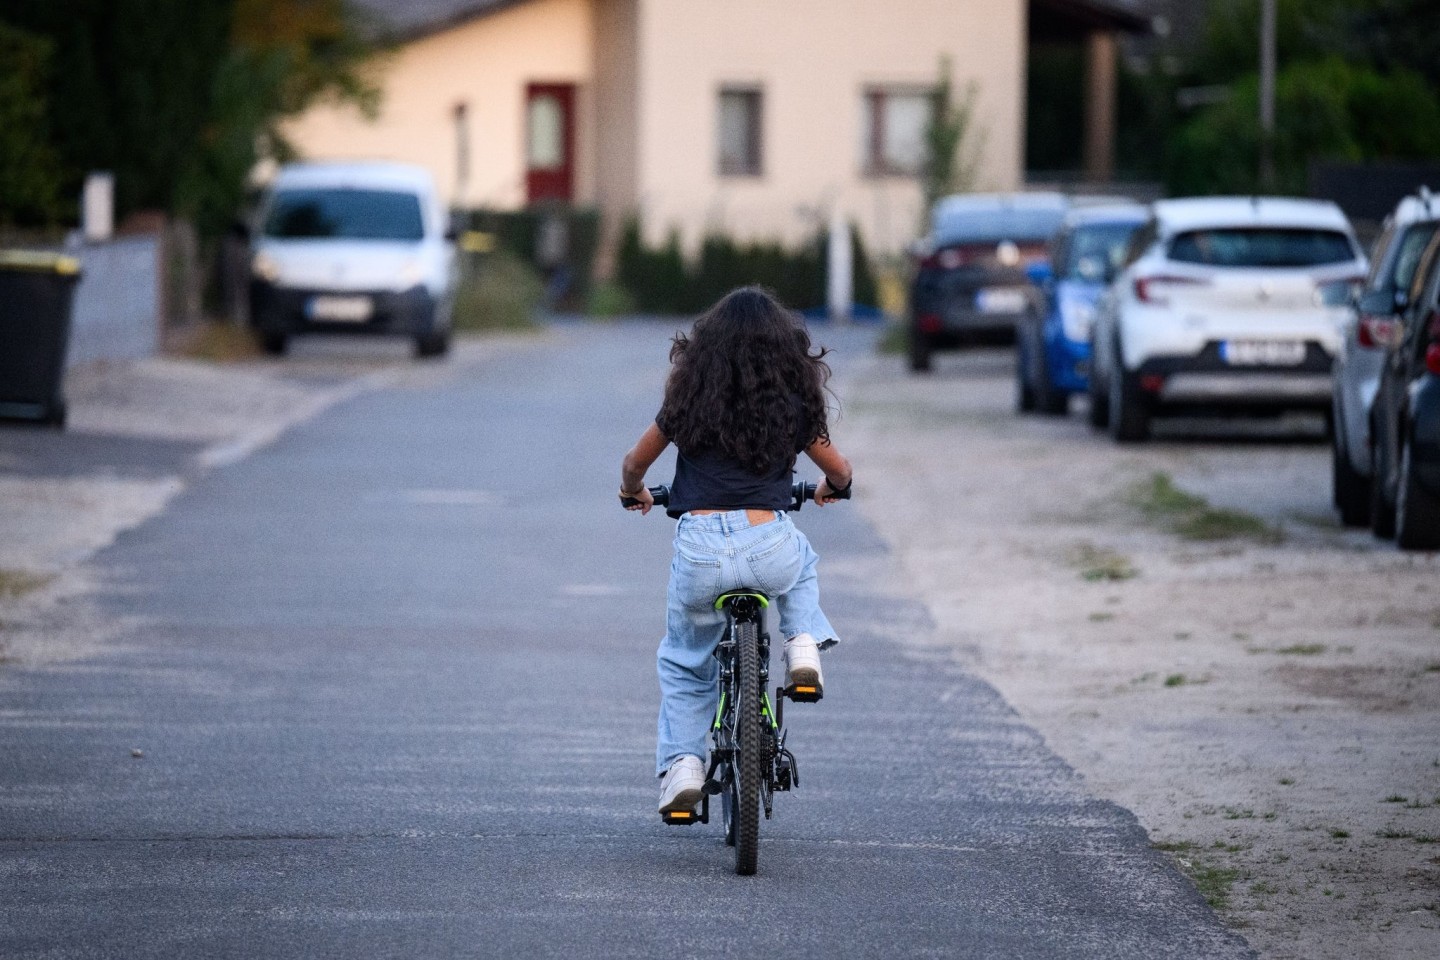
[746, 812]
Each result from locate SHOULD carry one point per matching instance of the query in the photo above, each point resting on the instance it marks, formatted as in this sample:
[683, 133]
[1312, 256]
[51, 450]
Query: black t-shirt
[710, 480]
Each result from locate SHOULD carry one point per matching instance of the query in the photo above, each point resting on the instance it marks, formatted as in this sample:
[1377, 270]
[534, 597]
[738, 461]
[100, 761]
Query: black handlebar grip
[661, 495]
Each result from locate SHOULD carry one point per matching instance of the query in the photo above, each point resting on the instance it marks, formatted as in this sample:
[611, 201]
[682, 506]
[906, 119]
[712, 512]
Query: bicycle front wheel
[746, 813]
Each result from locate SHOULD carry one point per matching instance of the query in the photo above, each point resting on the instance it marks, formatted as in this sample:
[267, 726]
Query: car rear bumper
[1206, 378]
[288, 310]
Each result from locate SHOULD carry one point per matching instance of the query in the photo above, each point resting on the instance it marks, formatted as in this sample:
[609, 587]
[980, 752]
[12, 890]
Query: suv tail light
[1432, 352]
[1375, 331]
[1151, 290]
[949, 258]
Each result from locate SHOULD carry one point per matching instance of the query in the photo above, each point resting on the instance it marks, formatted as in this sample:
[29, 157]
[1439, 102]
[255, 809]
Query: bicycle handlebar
[800, 493]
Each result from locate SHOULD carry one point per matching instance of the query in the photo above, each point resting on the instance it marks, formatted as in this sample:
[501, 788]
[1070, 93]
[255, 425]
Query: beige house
[759, 118]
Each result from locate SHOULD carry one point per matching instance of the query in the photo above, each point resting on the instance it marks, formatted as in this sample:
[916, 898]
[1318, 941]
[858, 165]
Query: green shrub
[660, 281]
[520, 234]
[498, 291]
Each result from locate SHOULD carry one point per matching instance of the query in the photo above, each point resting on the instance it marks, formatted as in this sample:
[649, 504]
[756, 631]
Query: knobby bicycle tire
[747, 762]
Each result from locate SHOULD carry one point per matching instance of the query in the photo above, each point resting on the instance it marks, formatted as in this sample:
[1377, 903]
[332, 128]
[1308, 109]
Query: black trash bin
[36, 290]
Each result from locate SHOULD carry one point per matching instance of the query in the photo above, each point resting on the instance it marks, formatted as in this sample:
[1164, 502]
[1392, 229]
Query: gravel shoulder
[1267, 702]
[138, 434]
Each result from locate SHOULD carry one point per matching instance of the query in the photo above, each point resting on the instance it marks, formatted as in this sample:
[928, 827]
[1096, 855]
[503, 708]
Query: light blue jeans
[715, 553]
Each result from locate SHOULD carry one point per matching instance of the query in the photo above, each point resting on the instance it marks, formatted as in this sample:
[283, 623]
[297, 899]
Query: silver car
[1370, 324]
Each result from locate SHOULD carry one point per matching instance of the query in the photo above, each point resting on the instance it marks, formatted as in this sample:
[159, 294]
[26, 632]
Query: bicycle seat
[729, 596]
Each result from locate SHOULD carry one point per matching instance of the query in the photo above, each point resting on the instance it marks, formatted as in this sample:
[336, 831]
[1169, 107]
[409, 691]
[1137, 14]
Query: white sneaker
[681, 788]
[802, 663]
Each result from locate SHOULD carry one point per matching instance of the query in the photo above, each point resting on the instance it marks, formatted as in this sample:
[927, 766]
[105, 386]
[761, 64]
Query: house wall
[812, 58]
[485, 64]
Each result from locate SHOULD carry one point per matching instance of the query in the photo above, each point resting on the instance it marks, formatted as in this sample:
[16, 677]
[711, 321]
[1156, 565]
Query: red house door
[550, 142]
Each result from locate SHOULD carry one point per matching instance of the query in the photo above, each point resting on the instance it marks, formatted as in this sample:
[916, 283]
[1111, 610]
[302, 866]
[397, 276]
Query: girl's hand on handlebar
[824, 493]
[641, 501]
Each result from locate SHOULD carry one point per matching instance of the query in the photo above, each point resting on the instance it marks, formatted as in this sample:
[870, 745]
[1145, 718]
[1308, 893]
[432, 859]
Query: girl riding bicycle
[745, 396]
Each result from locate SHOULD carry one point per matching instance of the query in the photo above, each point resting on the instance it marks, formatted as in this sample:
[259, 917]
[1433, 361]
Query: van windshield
[344, 213]
[1261, 247]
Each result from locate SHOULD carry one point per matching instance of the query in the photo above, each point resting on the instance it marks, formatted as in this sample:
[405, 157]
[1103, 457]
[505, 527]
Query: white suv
[1227, 304]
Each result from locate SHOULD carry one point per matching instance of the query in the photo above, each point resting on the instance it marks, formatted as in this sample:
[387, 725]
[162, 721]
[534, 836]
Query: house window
[740, 132]
[895, 122]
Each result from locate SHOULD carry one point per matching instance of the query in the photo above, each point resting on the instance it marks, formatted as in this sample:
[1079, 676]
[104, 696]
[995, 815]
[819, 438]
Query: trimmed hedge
[660, 280]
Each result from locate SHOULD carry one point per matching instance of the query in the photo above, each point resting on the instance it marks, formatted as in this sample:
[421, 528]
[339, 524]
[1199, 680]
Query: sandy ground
[1269, 710]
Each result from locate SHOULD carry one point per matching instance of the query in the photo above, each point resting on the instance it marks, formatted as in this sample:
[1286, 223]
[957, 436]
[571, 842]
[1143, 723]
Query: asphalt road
[392, 678]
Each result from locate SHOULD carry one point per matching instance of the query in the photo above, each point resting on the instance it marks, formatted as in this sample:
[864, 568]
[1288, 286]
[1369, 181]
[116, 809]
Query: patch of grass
[1261, 888]
[609, 299]
[1098, 564]
[1432, 668]
[1214, 884]
[1175, 680]
[1193, 518]
[895, 340]
[1394, 834]
[1396, 798]
[1101, 617]
[1232, 813]
[1426, 838]
[220, 343]
[1339, 834]
[1287, 781]
[17, 583]
[499, 292]
[1302, 649]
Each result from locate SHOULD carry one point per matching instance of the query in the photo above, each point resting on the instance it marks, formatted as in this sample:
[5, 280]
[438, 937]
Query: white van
[352, 248]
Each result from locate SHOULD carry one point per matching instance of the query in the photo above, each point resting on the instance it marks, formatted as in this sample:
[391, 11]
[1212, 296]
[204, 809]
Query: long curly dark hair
[745, 382]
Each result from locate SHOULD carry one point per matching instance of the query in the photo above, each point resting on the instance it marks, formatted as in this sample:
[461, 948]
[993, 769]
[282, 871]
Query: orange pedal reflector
[804, 689]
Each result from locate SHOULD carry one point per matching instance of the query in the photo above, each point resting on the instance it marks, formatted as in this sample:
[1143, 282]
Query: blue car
[1052, 345]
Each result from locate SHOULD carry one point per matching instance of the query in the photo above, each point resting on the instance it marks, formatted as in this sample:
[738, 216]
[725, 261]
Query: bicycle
[749, 761]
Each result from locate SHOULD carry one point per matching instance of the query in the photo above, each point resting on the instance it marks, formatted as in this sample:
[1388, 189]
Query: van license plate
[1263, 353]
[342, 309]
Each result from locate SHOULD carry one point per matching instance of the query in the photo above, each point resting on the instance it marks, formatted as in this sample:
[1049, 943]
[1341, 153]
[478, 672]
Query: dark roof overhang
[1073, 19]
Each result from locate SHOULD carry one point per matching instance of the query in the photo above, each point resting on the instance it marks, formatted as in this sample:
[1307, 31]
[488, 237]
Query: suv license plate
[1263, 353]
[342, 309]
[1000, 300]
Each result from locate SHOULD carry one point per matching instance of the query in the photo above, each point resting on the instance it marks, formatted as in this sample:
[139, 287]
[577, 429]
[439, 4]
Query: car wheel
[56, 413]
[920, 351]
[1099, 393]
[1417, 514]
[1048, 399]
[1382, 511]
[274, 344]
[1351, 488]
[435, 344]
[1129, 412]
[1024, 393]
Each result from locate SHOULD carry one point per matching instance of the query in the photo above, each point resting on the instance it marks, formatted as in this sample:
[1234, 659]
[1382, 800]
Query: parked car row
[1222, 306]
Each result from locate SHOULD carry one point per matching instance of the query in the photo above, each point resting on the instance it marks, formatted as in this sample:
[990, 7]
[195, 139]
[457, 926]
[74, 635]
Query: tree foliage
[1359, 81]
[178, 98]
[952, 150]
[29, 177]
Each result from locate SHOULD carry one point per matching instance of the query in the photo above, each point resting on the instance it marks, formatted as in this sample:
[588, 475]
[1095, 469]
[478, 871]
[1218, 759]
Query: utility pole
[1267, 94]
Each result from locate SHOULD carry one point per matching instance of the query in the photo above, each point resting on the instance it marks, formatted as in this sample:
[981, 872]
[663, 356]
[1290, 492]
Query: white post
[97, 207]
[840, 272]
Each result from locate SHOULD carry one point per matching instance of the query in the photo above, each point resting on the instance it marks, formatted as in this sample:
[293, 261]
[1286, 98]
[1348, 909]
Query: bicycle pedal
[804, 693]
[682, 818]
[713, 787]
